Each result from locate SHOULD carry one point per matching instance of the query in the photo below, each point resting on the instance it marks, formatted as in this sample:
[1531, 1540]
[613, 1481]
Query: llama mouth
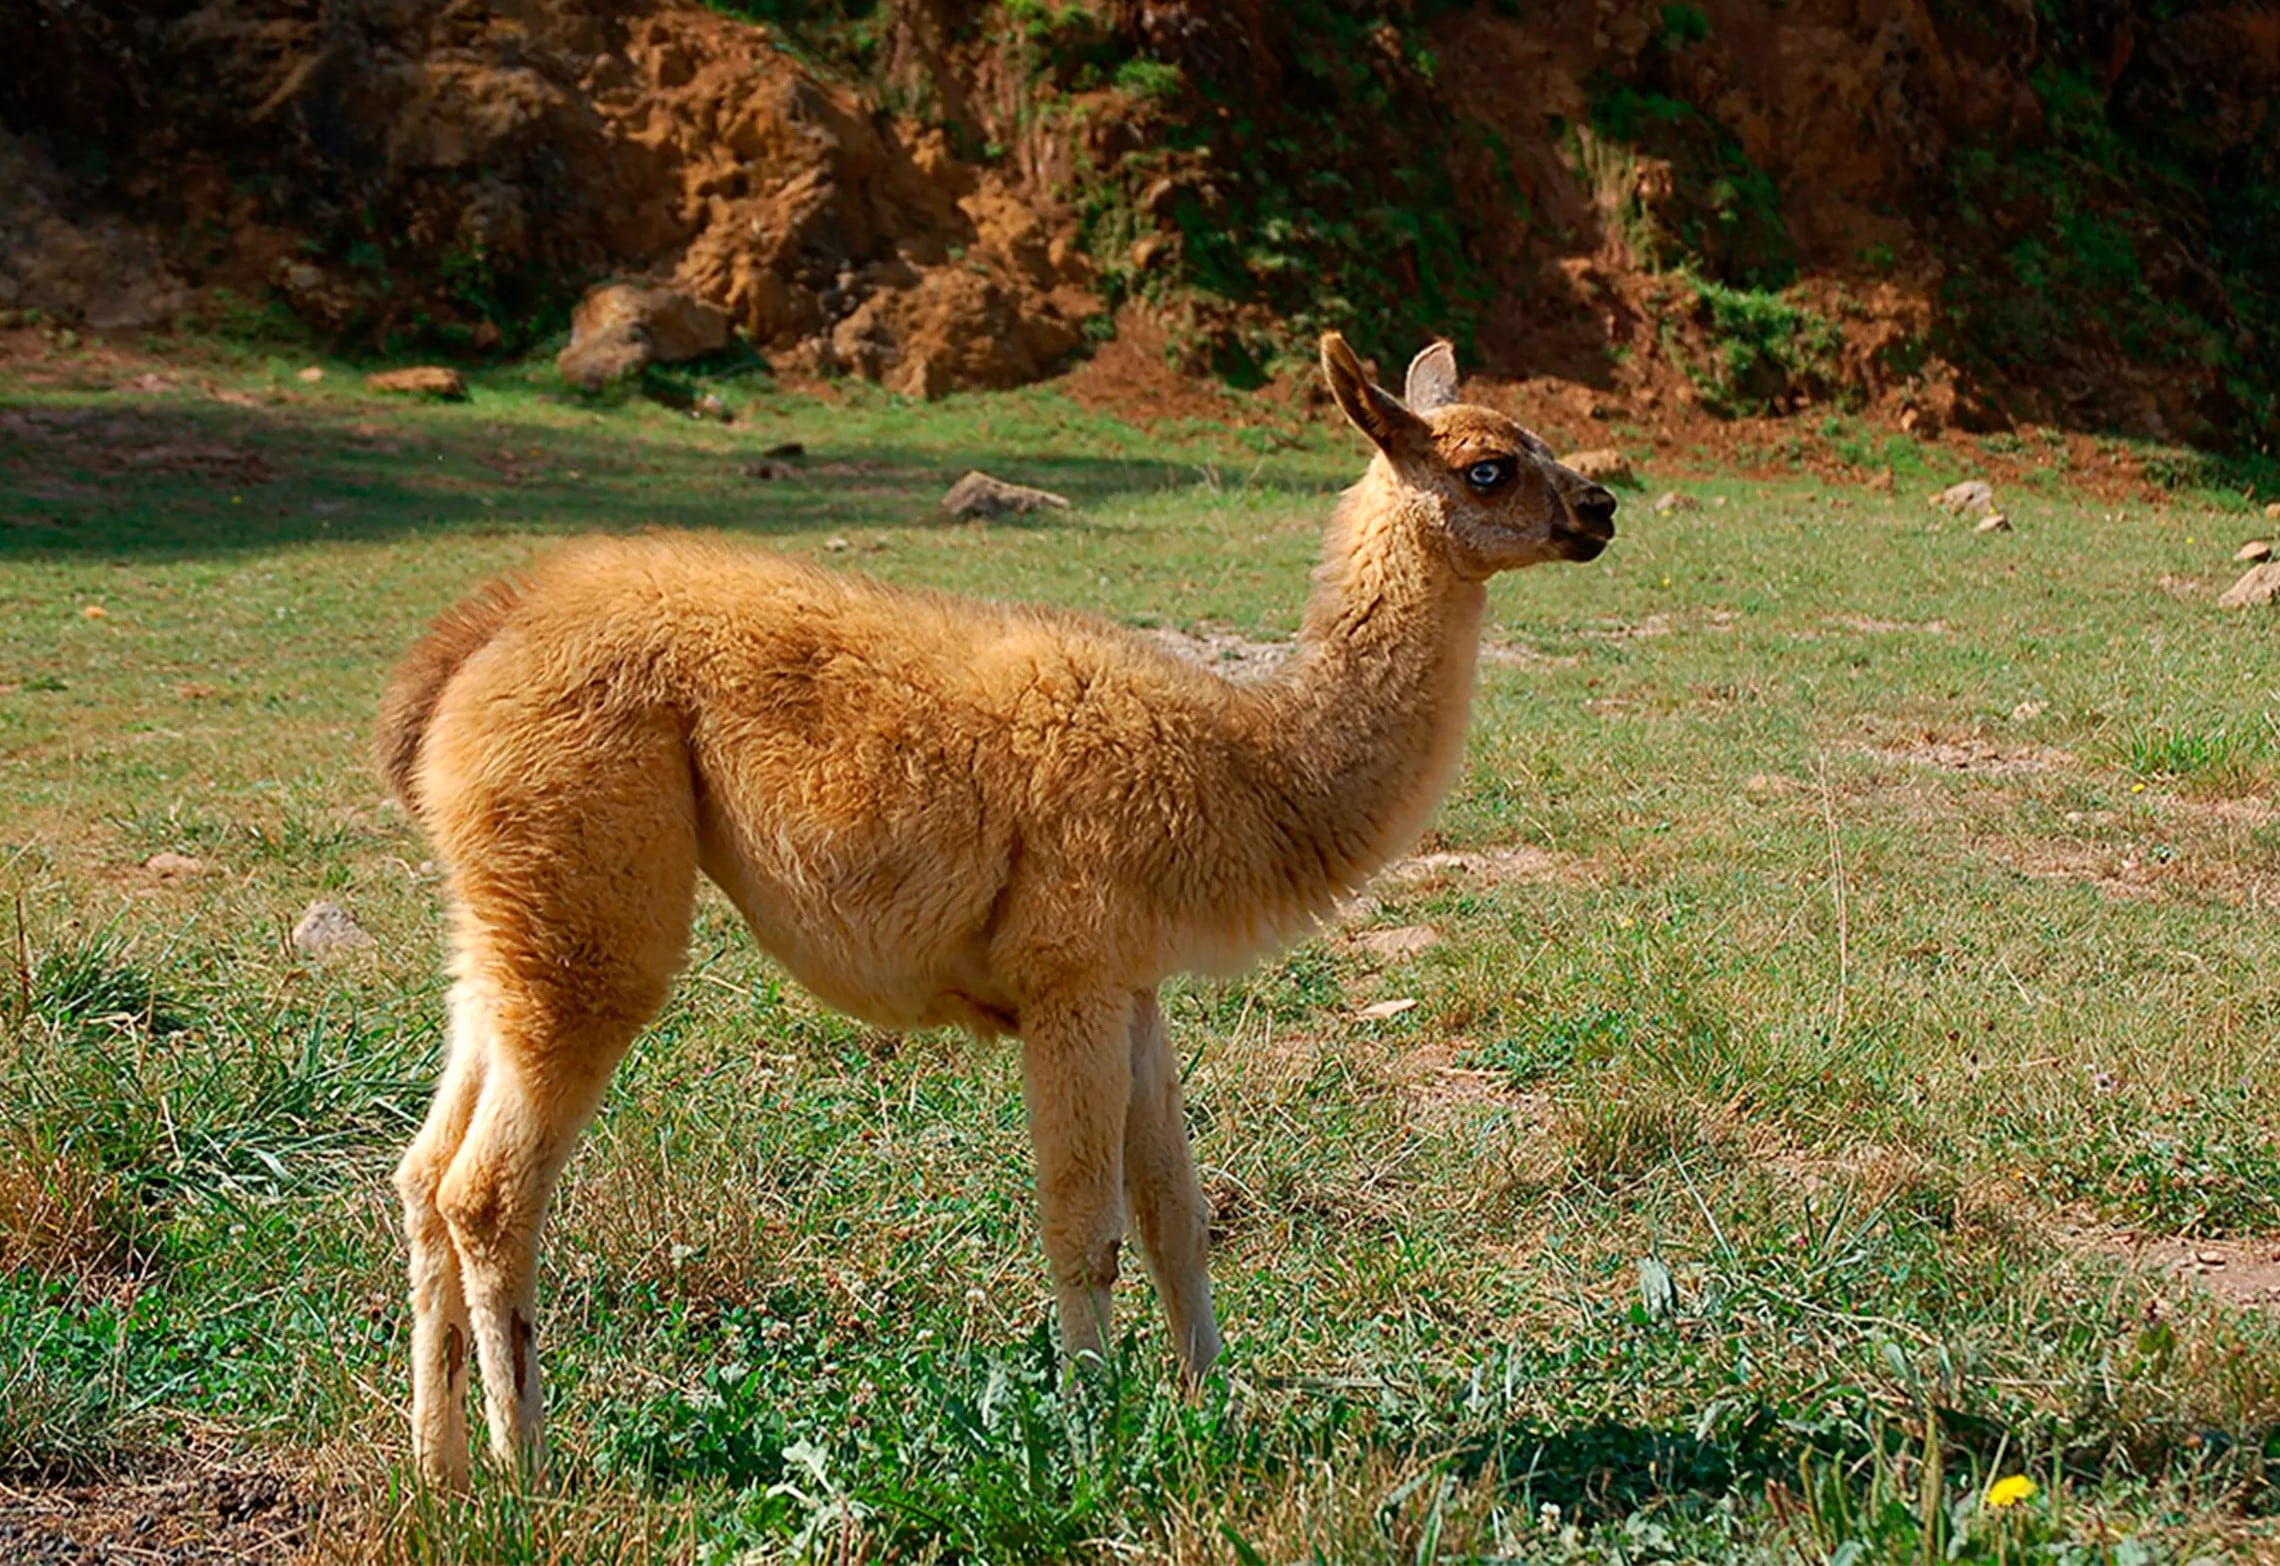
[1578, 545]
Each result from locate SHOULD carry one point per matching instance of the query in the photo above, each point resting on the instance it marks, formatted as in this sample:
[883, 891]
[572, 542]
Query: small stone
[1378, 1011]
[1601, 465]
[313, 374]
[2254, 550]
[712, 406]
[1671, 500]
[1993, 522]
[2272, 509]
[167, 865]
[2028, 711]
[328, 928]
[2260, 586]
[837, 542]
[765, 470]
[427, 380]
[979, 495]
[786, 448]
[94, 612]
[1971, 498]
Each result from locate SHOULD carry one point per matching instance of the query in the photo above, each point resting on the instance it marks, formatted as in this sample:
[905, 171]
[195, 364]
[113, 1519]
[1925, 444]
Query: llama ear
[1432, 379]
[1374, 411]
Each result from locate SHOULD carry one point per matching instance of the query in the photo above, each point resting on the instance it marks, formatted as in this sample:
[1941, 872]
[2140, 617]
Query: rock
[715, 407]
[1379, 1011]
[2260, 586]
[786, 448]
[1993, 522]
[2254, 550]
[952, 329]
[1671, 500]
[593, 365]
[168, 865]
[837, 543]
[1601, 465]
[328, 928]
[310, 375]
[979, 495]
[427, 380]
[620, 327]
[2272, 509]
[1971, 498]
[765, 470]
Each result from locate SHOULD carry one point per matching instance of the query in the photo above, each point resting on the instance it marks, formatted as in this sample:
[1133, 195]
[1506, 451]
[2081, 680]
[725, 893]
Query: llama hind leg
[1076, 1080]
[545, 1080]
[1167, 1204]
[439, 1306]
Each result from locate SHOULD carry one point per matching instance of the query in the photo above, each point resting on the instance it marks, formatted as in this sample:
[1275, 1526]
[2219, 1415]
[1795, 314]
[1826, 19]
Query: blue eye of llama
[1487, 475]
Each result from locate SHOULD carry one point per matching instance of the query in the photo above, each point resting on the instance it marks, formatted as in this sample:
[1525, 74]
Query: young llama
[930, 811]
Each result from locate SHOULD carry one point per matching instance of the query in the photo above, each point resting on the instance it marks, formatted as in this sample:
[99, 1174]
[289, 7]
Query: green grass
[1895, 932]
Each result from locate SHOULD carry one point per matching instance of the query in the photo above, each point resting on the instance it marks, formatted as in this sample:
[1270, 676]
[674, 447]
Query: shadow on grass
[157, 477]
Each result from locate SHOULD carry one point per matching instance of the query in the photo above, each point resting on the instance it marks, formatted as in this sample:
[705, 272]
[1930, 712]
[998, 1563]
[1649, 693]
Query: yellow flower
[2011, 1491]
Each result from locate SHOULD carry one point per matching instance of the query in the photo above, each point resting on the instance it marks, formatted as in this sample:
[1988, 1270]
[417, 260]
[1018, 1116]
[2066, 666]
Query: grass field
[1840, 1076]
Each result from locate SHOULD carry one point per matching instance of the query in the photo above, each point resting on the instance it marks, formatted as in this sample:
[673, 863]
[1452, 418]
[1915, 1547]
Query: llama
[930, 811]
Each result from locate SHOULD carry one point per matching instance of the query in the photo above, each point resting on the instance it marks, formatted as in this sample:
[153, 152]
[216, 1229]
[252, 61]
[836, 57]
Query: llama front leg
[1077, 1082]
[1167, 1203]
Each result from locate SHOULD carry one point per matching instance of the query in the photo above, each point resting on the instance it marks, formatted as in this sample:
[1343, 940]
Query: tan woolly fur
[930, 811]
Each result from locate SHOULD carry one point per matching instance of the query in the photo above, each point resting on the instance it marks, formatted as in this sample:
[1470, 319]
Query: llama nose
[1595, 509]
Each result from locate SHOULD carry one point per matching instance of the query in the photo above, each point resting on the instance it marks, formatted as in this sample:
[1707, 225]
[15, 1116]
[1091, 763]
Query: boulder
[1602, 465]
[2260, 586]
[2254, 550]
[979, 495]
[620, 327]
[427, 380]
[1971, 498]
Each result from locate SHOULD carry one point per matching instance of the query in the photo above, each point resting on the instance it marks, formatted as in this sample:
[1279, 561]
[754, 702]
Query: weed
[2225, 756]
[1764, 349]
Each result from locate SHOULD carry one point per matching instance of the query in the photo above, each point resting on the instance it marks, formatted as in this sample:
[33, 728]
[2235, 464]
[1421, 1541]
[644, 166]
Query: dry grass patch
[1970, 754]
[2241, 1271]
[62, 1217]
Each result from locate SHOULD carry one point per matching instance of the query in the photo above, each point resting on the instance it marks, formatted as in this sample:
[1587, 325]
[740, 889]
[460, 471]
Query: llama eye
[1487, 475]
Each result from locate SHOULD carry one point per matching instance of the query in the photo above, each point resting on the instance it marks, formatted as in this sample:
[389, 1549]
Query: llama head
[1503, 500]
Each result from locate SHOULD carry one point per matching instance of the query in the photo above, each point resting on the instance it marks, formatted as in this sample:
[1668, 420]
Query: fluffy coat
[930, 811]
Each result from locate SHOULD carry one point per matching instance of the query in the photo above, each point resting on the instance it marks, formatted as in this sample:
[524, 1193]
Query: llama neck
[1364, 729]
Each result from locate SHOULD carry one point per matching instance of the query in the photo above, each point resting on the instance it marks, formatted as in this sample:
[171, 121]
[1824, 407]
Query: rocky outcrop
[98, 269]
[1949, 214]
[389, 170]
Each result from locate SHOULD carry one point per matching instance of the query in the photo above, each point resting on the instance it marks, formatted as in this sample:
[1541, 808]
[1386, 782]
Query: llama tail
[416, 687]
